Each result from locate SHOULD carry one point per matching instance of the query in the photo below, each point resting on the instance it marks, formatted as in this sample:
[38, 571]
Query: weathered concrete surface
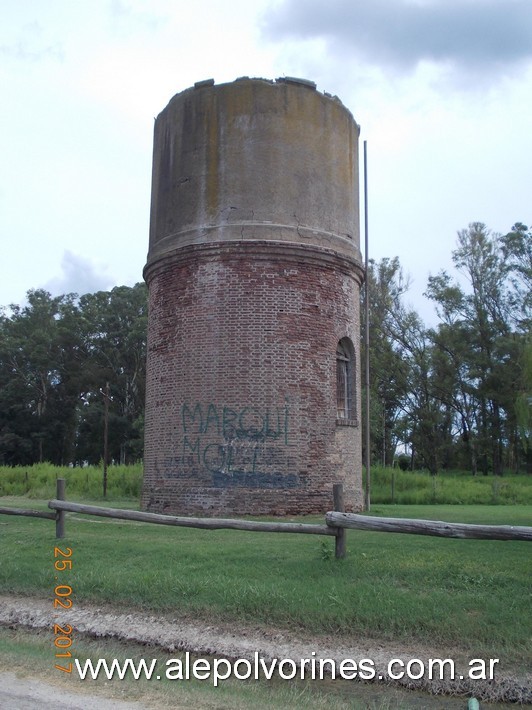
[255, 159]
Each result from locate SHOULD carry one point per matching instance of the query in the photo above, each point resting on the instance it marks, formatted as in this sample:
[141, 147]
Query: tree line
[57, 355]
[456, 395]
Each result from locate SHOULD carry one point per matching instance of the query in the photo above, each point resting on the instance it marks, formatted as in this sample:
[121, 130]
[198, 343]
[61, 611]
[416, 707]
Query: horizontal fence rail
[187, 522]
[27, 513]
[435, 528]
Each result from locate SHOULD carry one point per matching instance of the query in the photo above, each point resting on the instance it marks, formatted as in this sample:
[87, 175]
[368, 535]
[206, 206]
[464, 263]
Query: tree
[479, 341]
[115, 326]
[37, 396]
[55, 356]
[517, 255]
[388, 368]
[404, 408]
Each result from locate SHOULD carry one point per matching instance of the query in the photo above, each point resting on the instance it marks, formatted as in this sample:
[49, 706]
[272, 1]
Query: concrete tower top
[254, 160]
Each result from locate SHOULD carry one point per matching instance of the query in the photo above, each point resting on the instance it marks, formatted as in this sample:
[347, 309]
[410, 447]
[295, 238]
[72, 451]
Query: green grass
[409, 487]
[468, 594]
[454, 488]
[31, 654]
[39, 481]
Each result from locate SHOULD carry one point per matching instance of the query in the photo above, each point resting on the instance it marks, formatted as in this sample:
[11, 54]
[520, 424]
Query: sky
[442, 90]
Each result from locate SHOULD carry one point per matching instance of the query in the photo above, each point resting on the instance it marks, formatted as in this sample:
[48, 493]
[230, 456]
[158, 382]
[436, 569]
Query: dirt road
[172, 633]
[22, 693]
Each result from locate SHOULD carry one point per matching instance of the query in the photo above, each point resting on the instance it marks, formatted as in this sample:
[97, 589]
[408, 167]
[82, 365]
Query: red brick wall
[241, 390]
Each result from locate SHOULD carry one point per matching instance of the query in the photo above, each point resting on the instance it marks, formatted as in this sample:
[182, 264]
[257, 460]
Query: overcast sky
[442, 90]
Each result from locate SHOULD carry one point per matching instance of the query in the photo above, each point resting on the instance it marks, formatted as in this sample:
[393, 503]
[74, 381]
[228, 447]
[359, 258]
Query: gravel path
[24, 693]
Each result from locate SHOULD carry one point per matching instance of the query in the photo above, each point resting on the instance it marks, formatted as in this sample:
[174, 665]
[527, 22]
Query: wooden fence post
[60, 514]
[339, 506]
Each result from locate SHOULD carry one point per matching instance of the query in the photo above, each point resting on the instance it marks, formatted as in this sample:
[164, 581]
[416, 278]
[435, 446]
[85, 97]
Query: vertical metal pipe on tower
[367, 447]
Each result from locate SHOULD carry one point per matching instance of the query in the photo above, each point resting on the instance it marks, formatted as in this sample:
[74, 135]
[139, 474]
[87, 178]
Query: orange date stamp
[63, 600]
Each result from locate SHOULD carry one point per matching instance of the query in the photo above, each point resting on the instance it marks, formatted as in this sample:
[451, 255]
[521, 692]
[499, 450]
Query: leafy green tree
[426, 422]
[517, 257]
[388, 368]
[56, 356]
[478, 340]
[38, 397]
[523, 406]
[115, 327]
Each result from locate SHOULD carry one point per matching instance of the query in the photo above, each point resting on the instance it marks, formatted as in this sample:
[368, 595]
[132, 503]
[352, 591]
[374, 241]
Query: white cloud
[79, 275]
[446, 146]
[471, 35]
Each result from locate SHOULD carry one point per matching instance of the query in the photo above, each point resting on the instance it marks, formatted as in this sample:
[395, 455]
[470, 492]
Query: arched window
[345, 382]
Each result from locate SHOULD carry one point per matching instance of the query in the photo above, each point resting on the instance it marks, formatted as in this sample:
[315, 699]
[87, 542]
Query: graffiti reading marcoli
[245, 446]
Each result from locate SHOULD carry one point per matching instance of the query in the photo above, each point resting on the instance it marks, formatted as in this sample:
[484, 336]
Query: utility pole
[106, 399]
[367, 500]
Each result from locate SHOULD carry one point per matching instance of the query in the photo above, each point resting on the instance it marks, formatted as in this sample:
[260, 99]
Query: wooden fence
[336, 522]
[435, 528]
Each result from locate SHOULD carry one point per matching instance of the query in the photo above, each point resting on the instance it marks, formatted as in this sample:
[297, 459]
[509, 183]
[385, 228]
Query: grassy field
[469, 594]
[38, 481]
[454, 488]
[387, 485]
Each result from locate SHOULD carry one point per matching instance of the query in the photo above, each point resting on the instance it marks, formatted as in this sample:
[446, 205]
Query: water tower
[254, 274]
